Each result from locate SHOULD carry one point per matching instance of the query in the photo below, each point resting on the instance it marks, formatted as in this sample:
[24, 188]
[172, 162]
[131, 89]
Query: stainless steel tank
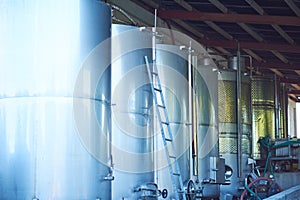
[172, 63]
[206, 92]
[54, 117]
[283, 110]
[263, 105]
[132, 122]
[228, 130]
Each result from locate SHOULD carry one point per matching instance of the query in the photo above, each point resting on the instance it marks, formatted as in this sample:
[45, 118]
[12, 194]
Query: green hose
[253, 193]
[267, 163]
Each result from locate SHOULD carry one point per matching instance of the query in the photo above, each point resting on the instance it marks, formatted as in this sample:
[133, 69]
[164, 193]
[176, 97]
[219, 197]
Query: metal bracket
[148, 190]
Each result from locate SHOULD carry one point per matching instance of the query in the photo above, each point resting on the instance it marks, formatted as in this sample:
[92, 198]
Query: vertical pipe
[156, 177]
[191, 115]
[284, 97]
[250, 106]
[195, 120]
[154, 38]
[284, 108]
[276, 107]
[238, 110]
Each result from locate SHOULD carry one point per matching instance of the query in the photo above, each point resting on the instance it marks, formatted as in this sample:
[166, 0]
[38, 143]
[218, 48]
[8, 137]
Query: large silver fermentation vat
[54, 100]
[172, 63]
[132, 123]
[206, 114]
[228, 129]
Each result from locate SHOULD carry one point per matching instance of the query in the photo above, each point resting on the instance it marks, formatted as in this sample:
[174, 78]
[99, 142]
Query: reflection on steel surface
[42, 155]
[172, 64]
[132, 123]
[206, 91]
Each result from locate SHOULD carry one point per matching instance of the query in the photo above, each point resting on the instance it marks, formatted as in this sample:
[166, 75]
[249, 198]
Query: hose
[254, 181]
[267, 163]
[253, 193]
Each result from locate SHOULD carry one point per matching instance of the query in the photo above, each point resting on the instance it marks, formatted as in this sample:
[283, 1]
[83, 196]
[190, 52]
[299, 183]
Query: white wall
[298, 119]
[292, 131]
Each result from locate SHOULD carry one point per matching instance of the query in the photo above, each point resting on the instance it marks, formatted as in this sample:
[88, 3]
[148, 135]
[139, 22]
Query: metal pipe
[191, 114]
[124, 13]
[250, 104]
[276, 106]
[238, 110]
[154, 38]
[194, 121]
[250, 62]
[285, 107]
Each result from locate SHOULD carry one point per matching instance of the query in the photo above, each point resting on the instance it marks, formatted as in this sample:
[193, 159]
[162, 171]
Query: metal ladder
[165, 129]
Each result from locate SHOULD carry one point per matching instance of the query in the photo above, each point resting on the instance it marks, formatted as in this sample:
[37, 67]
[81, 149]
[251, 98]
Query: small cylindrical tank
[263, 105]
[132, 123]
[269, 102]
[228, 129]
[172, 64]
[206, 107]
[54, 99]
[283, 110]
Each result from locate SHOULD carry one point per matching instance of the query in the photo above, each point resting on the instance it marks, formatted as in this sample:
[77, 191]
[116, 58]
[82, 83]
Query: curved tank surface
[206, 92]
[172, 64]
[132, 124]
[283, 110]
[54, 104]
[263, 105]
[228, 134]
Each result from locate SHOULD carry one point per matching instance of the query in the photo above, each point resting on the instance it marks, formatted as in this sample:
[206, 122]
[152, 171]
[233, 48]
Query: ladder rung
[166, 123]
[176, 174]
[169, 140]
[161, 106]
[157, 89]
[154, 73]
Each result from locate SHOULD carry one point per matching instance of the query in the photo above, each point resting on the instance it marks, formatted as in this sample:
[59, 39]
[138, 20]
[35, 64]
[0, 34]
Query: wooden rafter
[230, 17]
[251, 45]
[212, 25]
[293, 6]
[261, 11]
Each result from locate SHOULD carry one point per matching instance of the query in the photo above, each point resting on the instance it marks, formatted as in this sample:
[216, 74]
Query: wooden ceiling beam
[212, 25]
[277, 65]
[219, 5]
[244, 26]
[184, 4]
[229, 17]
[279, 30]
[293, 6]
[253, 55]
[295, 83]
[251, 45]
[295, 92]
[278, 73]
[280, 56]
